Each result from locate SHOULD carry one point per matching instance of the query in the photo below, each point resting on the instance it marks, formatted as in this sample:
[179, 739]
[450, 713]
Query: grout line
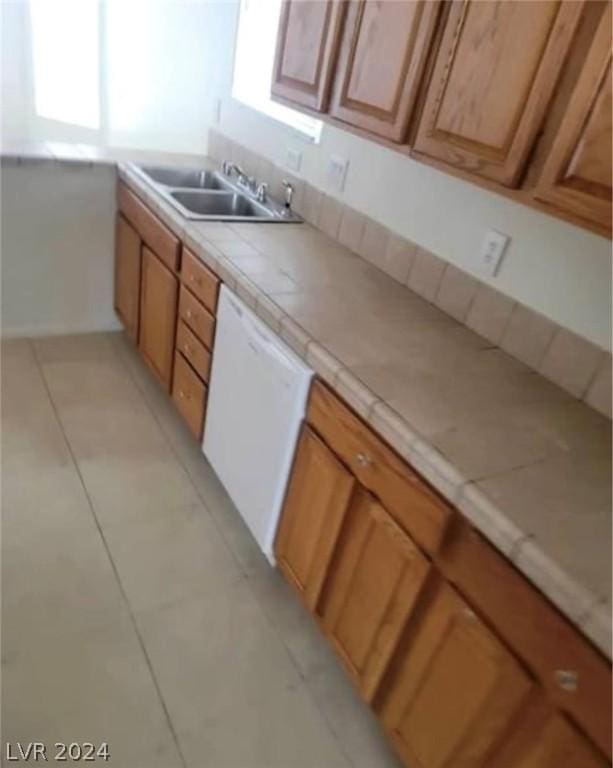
[110, 557]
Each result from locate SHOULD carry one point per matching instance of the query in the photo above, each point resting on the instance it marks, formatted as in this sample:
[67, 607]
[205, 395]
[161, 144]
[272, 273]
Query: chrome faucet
[229, 168]
[261, 193]
[288, 194]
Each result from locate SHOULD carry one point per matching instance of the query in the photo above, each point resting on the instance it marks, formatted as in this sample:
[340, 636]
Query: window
[65, 60]
[253, 62]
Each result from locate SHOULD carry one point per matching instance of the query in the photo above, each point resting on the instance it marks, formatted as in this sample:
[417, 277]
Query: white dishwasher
[256, 403]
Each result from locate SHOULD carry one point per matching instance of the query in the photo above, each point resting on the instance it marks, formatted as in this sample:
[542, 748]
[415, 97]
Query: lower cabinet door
[374, 580]
[542, 738]
[158, 316]
[127, 275]
[317, 498]
[189, 394]
[455, 690]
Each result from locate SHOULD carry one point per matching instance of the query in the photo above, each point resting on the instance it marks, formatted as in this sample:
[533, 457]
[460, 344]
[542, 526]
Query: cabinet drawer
[193, 351]
[196, 317]
[412, 503]
[200, 280]
[576, 677]
[189, 394]
[155, 234]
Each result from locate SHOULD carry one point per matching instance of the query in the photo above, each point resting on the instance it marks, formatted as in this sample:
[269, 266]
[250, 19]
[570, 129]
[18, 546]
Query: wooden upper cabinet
[455, 691]
[577, 173]
[317, 499]
[494, 74]
[382, 56]
[373, 583]
[159, 292]
[542, 738]
[127, 275]
[307, 46]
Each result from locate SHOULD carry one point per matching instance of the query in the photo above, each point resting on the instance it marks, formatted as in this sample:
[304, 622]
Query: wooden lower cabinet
[317, 498]
[373, 583]
[189, 394]
[127, 275]
[542, 738]
[455, 690]
[158, 316]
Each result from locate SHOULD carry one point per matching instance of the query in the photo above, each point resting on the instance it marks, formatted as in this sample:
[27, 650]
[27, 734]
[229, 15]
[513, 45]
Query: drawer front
[196, 317]
[575, 675]
[194, 351]
[189, 394]
[200, 280]
[410, 501]
[155, 234]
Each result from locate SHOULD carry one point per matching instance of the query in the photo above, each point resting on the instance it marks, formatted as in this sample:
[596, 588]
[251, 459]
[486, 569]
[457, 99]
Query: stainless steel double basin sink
[204, 195]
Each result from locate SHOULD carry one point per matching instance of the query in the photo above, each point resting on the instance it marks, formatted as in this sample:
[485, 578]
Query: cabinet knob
[186, 349]
[567, 679]
[363, 459]
[188, 314]
[194, 279]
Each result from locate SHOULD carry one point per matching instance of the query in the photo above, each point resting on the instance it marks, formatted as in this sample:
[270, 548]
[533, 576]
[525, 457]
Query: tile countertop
[527, 464]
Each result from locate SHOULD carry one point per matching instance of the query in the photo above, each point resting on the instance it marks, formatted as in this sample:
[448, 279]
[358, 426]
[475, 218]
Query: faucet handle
[289, 193]
[262, 192]
[225, 167]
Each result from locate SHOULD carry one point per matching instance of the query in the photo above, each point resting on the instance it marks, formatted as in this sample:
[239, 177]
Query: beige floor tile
[286, 732]
[350, 719]
[130, 489]
[94, 687]
[57, 578]
[80, 348]
[223, 651]
[261, 713]
[175, 554]
[30, 433]
[354, 724]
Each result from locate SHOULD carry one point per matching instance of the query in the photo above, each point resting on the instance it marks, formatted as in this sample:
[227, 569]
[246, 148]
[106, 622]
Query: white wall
[554, 267]
[57, 235]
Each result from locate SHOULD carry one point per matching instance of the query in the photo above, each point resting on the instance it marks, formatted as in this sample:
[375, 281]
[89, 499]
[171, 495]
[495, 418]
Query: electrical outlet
[492, 250]
[336, 172]
[293, 159]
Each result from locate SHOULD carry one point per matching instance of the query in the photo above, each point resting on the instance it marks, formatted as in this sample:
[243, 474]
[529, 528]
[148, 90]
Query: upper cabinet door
[307, 45]
[382, 56]
[494, 74]
[577, 173]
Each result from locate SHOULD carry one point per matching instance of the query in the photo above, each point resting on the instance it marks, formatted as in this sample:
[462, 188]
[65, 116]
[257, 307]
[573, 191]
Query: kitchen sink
[219, 204]
[185, 178]
[204, 195]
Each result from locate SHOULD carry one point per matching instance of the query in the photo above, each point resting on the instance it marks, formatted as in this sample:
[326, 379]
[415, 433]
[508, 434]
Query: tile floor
[136, 608]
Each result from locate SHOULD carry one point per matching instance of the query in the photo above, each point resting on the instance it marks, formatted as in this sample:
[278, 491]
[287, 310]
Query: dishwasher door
[256, 403]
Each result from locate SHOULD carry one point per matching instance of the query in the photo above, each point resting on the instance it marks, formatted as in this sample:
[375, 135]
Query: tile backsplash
[573, 363]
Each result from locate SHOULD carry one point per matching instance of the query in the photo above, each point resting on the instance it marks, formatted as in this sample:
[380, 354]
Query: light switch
[492, 250]
[336, 172]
